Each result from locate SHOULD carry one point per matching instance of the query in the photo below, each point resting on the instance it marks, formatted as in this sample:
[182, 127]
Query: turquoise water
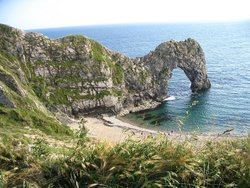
[227, 49]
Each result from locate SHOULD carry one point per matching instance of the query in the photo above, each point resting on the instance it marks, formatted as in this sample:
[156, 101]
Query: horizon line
[139, 23]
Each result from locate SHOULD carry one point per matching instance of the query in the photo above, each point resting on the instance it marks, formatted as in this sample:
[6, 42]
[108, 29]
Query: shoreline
[116, 129]
[139, 125]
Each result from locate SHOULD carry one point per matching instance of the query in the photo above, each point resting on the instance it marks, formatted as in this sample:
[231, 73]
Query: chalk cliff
[77, 75]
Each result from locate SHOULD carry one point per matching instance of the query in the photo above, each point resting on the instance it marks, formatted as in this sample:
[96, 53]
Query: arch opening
[178, 84]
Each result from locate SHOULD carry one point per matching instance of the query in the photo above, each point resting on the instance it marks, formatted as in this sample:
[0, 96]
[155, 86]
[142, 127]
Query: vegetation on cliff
[73, 74]
[78, 75]
[21, 107]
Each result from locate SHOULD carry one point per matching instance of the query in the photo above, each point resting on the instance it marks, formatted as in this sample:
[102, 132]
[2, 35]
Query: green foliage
[117, 72]
[82, 138]
[57, 88]
[40, 148]
[117, 93]
[60, 96]
[6, 33]
[227, 163]
[76, 40]
[16, 117]
[2, 180]
[17, 164]
[39, 86]
[29, 111]
[103, 93]
[116, 68]
[97, 50]
[155, 163]
[143, 76]
[13, 155]
[27, 114]
[5, 28]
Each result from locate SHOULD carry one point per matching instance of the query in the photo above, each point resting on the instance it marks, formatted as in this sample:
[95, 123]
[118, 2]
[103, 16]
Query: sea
[223, 108]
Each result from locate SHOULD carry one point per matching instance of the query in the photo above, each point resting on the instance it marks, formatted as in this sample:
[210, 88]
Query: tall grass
[153, 162]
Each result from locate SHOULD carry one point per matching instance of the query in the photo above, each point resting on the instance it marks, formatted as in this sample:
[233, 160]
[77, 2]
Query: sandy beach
[112, 129]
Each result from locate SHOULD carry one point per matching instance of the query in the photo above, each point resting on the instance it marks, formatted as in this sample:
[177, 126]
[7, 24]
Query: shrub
[40, 149]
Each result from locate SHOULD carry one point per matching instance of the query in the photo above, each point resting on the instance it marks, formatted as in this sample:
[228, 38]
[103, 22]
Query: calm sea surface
[227, 48]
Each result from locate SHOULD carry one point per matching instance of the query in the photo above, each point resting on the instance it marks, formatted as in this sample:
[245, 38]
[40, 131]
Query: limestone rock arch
[187, 55]
[78, 75]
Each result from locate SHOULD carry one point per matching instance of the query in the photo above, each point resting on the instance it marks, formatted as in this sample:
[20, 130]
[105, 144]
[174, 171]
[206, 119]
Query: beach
[113, 129]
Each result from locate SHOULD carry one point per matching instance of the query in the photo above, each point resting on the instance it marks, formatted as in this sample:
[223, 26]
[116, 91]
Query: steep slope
[77, 75]
[19, 105]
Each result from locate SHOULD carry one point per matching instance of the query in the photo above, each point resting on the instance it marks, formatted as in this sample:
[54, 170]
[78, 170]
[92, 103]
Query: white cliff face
[78, 75]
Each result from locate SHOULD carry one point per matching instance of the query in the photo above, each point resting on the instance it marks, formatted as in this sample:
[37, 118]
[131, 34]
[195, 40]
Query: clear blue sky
[30, 14]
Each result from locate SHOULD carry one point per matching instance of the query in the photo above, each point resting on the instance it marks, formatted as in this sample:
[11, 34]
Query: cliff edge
[77, 75]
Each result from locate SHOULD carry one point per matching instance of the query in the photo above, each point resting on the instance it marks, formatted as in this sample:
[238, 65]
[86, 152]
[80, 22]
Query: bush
[40, 149]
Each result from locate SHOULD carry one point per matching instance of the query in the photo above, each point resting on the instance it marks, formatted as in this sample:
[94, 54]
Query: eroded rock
[187, 55]
[77, 75]
[4, 100]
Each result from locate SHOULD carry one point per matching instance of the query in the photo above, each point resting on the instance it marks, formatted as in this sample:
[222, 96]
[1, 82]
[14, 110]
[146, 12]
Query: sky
[32, 14]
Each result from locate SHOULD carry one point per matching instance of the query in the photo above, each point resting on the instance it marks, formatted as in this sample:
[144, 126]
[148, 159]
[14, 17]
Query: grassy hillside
[154, 162]
[26, 109]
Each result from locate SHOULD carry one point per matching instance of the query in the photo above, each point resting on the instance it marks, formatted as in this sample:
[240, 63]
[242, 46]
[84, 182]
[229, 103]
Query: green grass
[116, 68]
[97, 50]
[154, 162]
[117, 72]
[19, 118]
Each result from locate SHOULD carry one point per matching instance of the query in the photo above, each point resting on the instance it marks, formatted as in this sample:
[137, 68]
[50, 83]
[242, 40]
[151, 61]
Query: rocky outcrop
[187, 55]
[4, 100]
[77, 75]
